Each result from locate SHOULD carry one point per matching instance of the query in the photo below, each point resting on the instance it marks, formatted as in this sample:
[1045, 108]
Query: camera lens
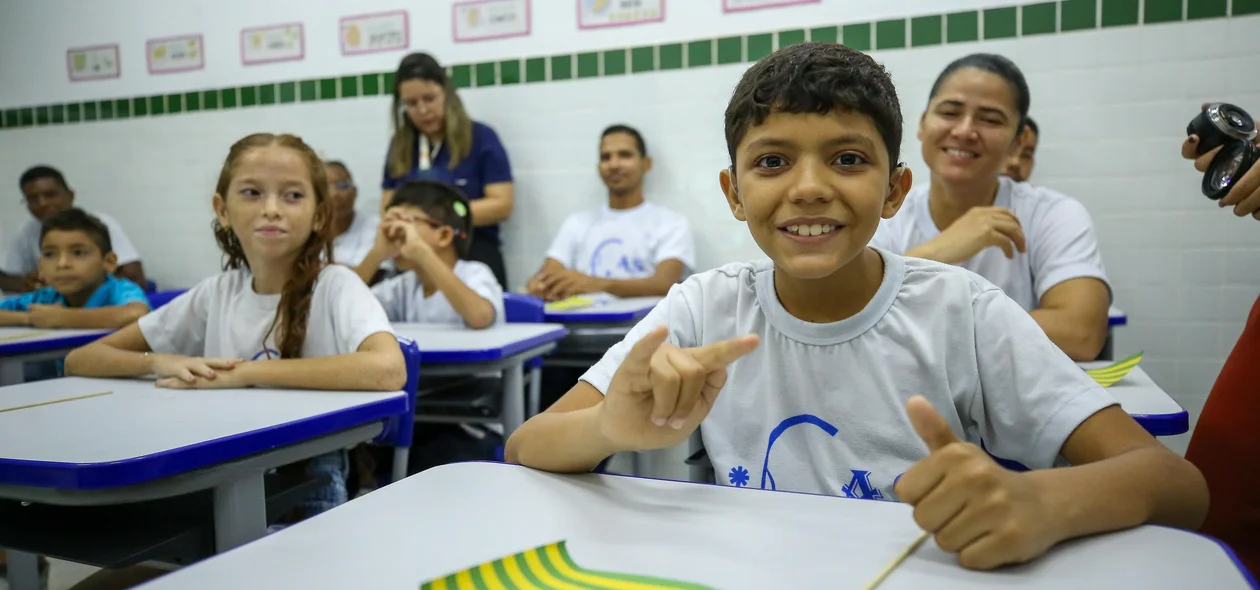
[1219, 124]
[1230, 164]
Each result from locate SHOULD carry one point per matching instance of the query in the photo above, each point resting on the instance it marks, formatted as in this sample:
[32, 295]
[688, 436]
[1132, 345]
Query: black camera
[1234, 131]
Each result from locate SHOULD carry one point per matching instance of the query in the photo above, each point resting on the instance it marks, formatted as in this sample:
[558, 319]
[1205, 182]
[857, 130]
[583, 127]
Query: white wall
[1112, 105]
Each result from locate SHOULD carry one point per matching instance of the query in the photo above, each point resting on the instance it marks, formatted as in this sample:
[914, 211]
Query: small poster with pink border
[93, 63]
[742, 5]
[373, 33]
[272, 43]
[175, 54]
[597, 14]
[481, 20]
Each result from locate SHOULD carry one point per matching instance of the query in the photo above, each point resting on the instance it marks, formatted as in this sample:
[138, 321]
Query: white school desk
[143, 443]
[20, 345]
[606, 310]
[453, 517]
[1146, 402]
[458, 351]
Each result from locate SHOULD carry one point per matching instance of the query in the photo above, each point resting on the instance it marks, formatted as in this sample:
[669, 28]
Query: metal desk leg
[513, 399]
[535, 392]
[240, 512]
[400, 462]
[23, 567]
[10, 372]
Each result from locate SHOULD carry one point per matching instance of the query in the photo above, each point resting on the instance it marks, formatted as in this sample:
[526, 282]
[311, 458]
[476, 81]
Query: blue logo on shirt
[609, 260]
[266, 352]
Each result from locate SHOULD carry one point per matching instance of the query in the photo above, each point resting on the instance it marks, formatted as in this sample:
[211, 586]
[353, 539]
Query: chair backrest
[150, 286]
[398, 430]
[161, 298]
[523, 309]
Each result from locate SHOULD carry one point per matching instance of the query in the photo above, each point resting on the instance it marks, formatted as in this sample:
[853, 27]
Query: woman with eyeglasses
[435, 139]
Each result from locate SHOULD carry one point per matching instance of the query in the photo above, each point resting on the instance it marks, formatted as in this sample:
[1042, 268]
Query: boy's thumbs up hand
[661, 393]
[988, 515]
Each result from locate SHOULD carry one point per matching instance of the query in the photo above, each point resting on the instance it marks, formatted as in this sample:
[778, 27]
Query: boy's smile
[812, 189]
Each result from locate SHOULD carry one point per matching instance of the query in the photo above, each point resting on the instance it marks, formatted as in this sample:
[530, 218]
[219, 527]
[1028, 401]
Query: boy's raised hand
[988, 515]
[661, 393]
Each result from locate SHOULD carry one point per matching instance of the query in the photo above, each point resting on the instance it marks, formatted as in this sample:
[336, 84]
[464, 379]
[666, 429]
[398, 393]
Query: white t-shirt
[623, 243]
[351, 247]
[22, 255]
[1057, 229]
[223, 317]
[403, 297]
[820, 408]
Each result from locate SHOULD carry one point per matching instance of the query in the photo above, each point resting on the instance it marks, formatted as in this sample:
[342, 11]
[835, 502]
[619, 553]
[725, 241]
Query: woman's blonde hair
[456, 123]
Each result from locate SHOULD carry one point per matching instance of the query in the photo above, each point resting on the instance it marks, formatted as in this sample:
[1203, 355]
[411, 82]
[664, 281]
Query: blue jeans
[334, 466]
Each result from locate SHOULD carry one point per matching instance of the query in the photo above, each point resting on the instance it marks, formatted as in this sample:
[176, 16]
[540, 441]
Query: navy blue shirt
[487, 163]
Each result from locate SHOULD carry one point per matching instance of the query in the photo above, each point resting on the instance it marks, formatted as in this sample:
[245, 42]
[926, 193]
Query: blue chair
[159, 298]
[526, 309]
[150, 286]
[398, 430]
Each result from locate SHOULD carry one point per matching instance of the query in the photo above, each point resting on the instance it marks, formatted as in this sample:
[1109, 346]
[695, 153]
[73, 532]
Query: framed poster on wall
[272, 43]
[93, 63]
[175, 54]
[480, 20]
[741, 5]
[372, 33]
[597, 14]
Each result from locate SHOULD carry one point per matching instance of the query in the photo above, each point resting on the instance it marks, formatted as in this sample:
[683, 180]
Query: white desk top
[1138, 393]
[453, 517]
[139, 419]
[608, 308]
[441, 338]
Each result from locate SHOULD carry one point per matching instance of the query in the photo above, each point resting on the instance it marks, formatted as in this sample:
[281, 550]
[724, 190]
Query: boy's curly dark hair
[815, 78]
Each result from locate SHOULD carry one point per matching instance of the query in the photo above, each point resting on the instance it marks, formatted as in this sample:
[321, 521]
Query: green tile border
[909, 31]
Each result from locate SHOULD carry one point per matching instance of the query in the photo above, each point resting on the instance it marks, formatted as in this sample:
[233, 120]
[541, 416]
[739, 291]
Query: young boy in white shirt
[628, 247]
[427, 231]
[839, 369]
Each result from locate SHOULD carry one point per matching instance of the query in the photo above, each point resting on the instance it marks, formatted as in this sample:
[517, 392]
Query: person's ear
[899, 183]
[111, 263]
[726, 178]
[71, 193]
[647, 164]
[922, 119]
[446, 236]
[220, 211]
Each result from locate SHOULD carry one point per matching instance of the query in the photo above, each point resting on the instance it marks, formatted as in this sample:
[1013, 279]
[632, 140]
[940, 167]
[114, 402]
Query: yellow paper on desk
[547, 567]
[1108, 376]
[575, 302]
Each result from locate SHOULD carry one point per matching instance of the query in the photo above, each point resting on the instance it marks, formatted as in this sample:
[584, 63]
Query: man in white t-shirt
[355, 231]
[627, 248]
[47, 194]
[1059, 246]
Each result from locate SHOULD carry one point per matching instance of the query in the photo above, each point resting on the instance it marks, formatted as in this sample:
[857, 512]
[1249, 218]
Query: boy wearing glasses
[45, 194]
[427, 231]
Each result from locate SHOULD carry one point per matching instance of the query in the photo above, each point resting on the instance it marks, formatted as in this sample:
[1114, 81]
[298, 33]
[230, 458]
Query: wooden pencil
[55, 401]
[888, 569]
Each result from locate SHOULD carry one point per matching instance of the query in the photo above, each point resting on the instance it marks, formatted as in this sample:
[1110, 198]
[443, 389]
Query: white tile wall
[1112, 105]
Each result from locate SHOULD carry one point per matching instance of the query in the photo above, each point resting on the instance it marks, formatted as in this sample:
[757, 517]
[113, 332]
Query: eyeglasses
[344, 185]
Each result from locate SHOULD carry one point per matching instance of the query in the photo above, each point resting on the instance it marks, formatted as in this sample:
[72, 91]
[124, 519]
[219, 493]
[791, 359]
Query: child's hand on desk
[174, 370]
[988, 515]
[563, 284]
[46, 316]
[661, 393]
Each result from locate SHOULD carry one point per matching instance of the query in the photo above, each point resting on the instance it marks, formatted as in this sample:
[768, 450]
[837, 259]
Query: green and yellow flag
[1108, 376]
[545, 568]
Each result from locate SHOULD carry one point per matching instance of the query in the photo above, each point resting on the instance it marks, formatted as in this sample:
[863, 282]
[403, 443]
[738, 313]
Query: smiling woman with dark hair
[1037, 245]
[435, 139]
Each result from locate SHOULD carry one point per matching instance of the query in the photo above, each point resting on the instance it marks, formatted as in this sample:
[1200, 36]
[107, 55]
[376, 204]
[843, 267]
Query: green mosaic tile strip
[1119, 13]
[1040, 19]
[926, 30]
[1078, 15]
[962, 27]
[857, 36]
[1166, 11]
